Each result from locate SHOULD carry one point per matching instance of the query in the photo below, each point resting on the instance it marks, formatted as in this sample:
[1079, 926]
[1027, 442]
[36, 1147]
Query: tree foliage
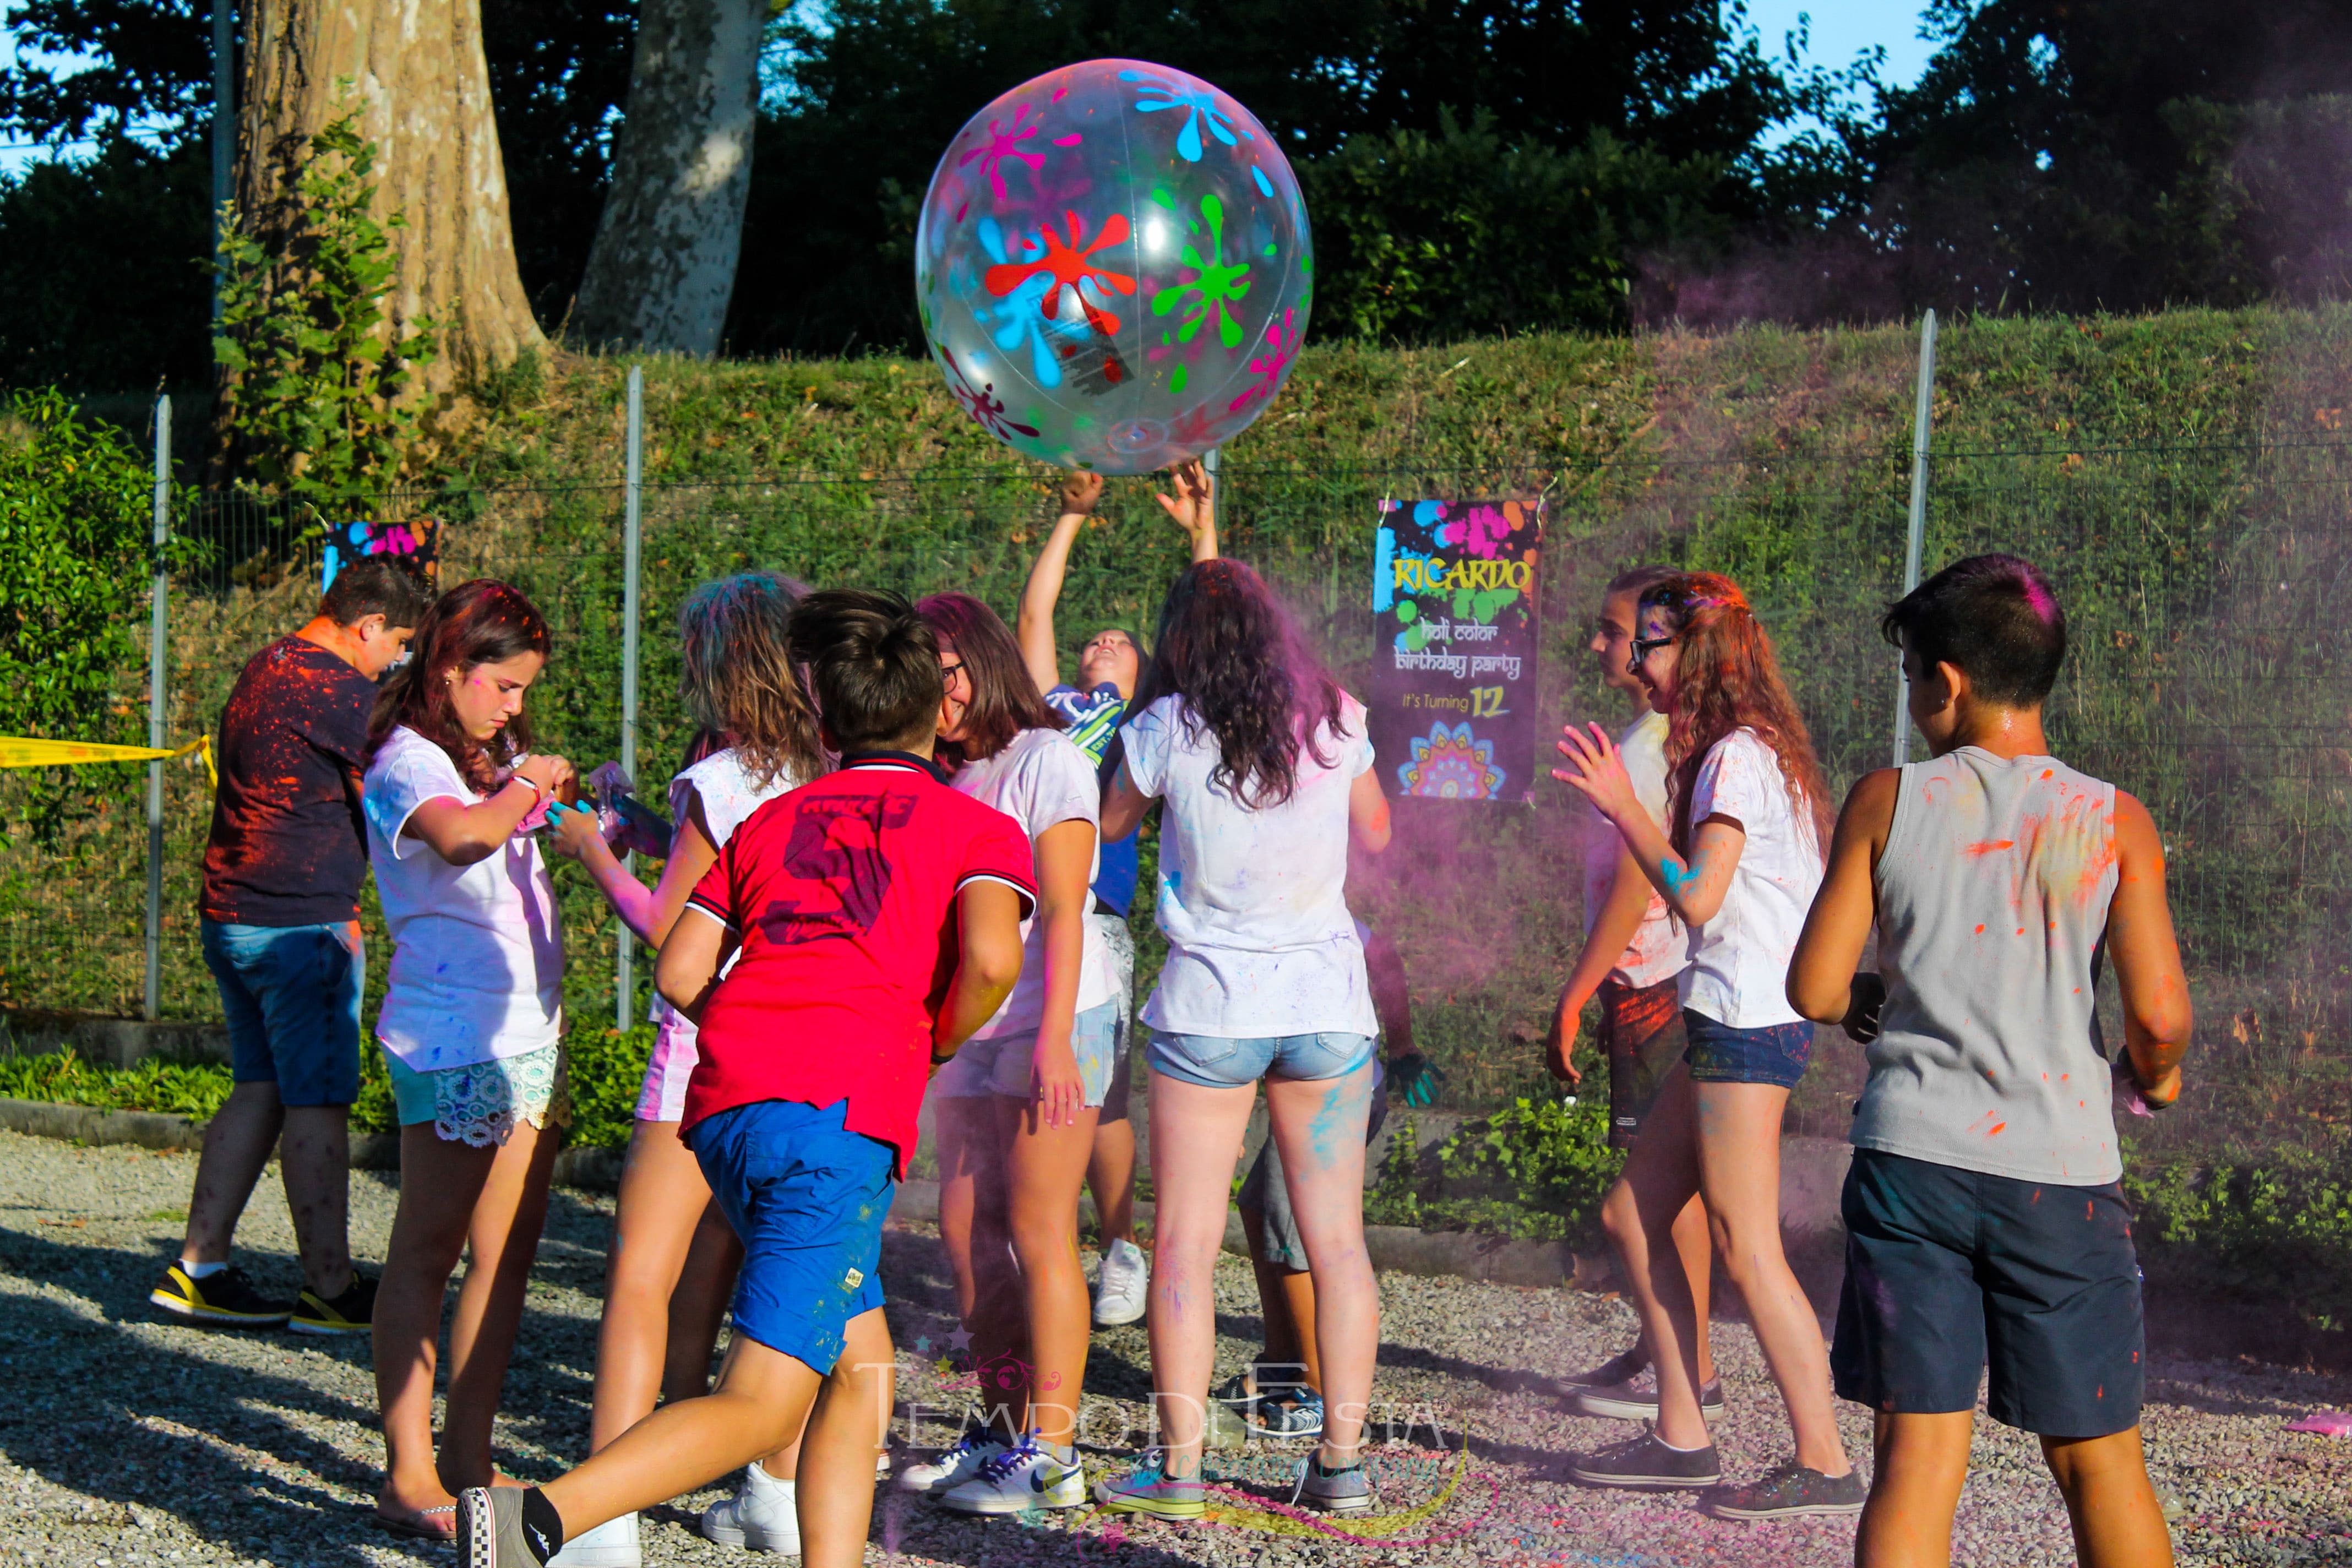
[314, 377]
[76, 556]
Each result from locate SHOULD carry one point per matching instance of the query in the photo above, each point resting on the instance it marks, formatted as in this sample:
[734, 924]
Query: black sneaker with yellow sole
[226, 1299]
[353, 1312]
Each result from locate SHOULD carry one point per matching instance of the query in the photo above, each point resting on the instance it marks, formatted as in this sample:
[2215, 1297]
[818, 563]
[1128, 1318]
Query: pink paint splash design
[2327, 1423]
[1282, 347]
[1004, 142]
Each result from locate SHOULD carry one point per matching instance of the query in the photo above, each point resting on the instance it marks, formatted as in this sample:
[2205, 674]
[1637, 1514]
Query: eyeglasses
[1642, 646]
[948, 672]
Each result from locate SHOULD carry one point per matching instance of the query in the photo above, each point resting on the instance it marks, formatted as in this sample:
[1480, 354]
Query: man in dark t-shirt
[280, 931]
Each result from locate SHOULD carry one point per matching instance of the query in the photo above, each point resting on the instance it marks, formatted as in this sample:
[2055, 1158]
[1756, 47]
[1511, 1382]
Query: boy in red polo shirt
[875, 917]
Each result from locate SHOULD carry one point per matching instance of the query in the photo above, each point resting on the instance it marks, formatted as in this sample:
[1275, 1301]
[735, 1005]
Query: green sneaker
[1148, 1489]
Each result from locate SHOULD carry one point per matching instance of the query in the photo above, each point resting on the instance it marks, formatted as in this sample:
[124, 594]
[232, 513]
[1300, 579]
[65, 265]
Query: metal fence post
[156, 625]
[632, 543]
[1922, 416]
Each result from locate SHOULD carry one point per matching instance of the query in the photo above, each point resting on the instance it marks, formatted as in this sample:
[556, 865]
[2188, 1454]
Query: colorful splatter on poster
[1454, 639]
[415, 545]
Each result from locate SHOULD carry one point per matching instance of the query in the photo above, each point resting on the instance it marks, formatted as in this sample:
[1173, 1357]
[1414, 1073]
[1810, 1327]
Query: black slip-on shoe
[1645, 1464]
[1636, 1398]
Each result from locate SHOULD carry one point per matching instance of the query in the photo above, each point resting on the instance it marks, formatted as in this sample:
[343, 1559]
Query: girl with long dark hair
[471, 1026]
[1017, 1107]
[1265, 771]
[1738, 865]
[673, 1257]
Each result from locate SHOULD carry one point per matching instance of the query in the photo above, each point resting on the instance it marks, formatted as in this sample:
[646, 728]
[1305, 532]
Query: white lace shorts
[480, 1104]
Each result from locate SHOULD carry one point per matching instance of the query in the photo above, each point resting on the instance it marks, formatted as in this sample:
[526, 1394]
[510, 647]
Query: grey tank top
[1993, 911]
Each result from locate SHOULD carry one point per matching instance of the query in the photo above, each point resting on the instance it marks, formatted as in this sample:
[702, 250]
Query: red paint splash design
[1068, 260]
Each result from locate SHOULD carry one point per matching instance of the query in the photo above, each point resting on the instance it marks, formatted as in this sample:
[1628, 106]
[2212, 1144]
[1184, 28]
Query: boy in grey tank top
[1984, 1214]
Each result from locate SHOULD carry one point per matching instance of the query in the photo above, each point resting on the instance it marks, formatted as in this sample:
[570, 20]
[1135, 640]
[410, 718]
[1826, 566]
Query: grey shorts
[1001, 1063]
[1265, 1190]
[1118, 943]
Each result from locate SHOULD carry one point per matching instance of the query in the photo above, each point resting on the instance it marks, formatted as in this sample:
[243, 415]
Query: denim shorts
[1215, 1061]
[1775, 1053]
[292, 997]
[1003, 1064]
[1948, 1272]
[1119, 946]
[808, 1196]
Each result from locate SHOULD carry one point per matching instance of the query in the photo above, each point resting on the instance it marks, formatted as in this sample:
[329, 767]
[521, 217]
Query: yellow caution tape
[23, 752]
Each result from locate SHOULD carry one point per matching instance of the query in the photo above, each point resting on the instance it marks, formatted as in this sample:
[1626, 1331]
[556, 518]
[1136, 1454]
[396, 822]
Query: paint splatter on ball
[1113, 268]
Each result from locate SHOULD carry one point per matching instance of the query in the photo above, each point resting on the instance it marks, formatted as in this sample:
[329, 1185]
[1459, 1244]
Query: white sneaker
[1020, 1480]
[1122, 1285]
[954, 1466]
[762, 1516]
[612, 1545]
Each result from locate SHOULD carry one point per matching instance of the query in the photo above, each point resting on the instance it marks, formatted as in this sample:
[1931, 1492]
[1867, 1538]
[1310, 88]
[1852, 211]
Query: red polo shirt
[843, 894]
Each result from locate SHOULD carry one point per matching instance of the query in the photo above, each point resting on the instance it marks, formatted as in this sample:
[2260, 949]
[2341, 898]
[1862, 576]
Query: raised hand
[1599, 773]
[1081, 490]
[1193, 506]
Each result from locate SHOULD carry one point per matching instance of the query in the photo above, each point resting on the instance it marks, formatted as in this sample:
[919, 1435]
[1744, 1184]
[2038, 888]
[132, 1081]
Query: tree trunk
[663, 267]
[414, 70]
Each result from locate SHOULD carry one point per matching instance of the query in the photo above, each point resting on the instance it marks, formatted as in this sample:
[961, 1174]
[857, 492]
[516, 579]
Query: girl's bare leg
[440, 1185]
[500, 1242]
[1739, 1170]
[1196, 1142]
[1044, 1167]
[1319, 1125]
[663, 1195]
[975, 1230]
[698, 1306]
[1639, 1215]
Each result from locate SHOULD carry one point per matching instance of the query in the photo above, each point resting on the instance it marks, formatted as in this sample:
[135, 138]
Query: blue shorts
[808, 1198]
[292, 997]
[1214, 1061]
[1775, 1053]
[1949, 1271]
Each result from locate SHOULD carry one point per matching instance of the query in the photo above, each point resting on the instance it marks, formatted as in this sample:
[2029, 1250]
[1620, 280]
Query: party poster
[1454, 648]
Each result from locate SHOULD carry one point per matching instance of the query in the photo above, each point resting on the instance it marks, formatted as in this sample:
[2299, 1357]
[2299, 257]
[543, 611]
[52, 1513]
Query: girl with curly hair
[471, 1027]
[1265, 771]
[1738, 864]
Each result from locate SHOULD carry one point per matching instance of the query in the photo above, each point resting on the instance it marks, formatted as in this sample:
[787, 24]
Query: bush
[607, 1068]
[2279, 1231]
[195, 1089]
[1536, 1169]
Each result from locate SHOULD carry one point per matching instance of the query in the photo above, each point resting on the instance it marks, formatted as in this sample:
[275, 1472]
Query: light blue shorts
[1214, 1061]
[1003, 1063]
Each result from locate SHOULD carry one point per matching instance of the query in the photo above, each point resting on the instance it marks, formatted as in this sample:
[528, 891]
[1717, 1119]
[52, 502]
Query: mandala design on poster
[1449, 764]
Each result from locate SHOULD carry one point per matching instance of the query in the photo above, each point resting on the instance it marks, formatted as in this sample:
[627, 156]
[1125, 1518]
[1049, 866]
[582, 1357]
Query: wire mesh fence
[2204, 586]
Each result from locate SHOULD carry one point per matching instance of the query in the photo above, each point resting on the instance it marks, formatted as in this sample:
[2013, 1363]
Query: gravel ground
[127, 1440]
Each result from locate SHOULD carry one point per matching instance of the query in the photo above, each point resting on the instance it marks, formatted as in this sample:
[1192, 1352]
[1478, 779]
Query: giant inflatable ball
[1113, 268]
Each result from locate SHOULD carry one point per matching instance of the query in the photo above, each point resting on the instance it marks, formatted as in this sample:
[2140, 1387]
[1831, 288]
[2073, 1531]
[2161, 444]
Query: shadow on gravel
[115, 1417]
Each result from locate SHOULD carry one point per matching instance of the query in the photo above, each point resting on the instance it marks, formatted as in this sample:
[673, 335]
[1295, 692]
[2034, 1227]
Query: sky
[1840, 30]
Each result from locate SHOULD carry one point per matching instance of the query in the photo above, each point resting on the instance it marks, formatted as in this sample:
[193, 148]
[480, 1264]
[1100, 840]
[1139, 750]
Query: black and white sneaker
[1289, 1413]
[1786, 1492]
[1238, 1392]
[1645, 1464]
[1623, 1368]
[1636, 1398]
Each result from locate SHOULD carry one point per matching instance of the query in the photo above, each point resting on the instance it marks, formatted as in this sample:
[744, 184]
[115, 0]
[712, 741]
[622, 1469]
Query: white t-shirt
[1253, 901]
[1738, 971]
[1041, 780]
[478, 950]
[1658, 950]
[729, 794]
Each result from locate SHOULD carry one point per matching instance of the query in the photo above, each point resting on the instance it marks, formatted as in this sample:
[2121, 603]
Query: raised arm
[988, 923]
[2147, 955]
[1034, 627]
[1822, 985]
[1194, 507]
[462, 834]
[1693, 886]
